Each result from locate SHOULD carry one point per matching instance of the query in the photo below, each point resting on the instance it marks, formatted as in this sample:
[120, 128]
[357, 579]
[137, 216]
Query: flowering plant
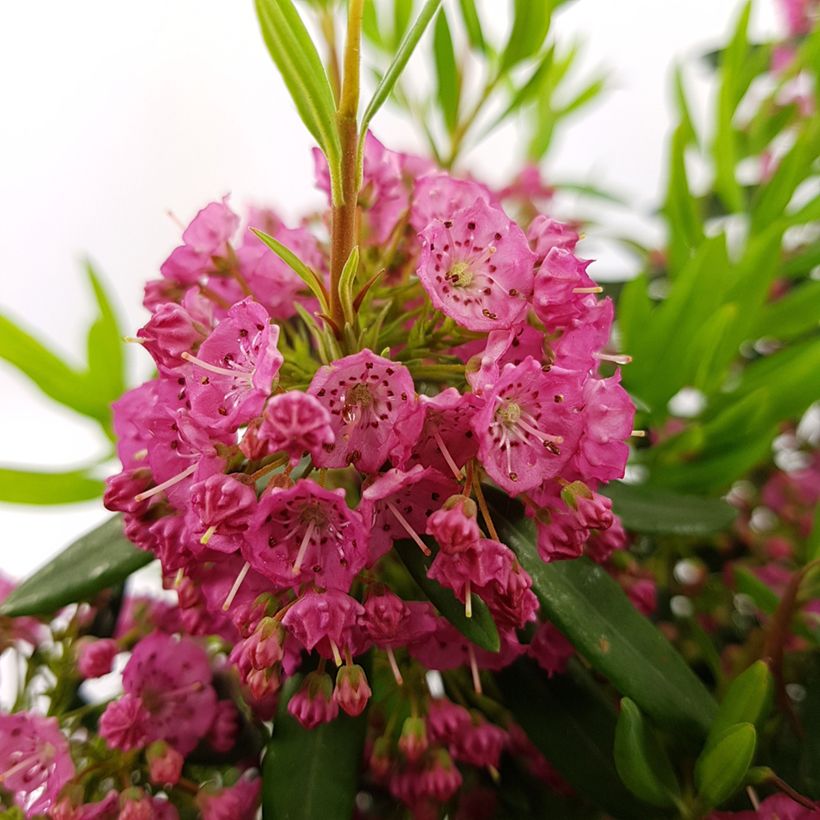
[379, 465]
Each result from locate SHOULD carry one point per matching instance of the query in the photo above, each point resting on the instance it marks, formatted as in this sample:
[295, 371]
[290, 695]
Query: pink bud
[413, 740]
[263, 682]
[164, 763]
[454, 526]
[223, 731]
[94, 658]
[352, 690]
[265, 645]
[313, 704]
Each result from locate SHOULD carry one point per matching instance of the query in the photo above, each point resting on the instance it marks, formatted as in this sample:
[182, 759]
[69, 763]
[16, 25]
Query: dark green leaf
[394, 70]
[592, 610]
[647, 509]
[311, 774]
[301, 68]
[18, 486]
[447, 79]
[531, 23]
[574, 727]
[472, 24]
[480, 628]
[96, 561]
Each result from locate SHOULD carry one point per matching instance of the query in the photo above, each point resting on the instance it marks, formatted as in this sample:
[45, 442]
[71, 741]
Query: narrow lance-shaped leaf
[394, 70]
[301, 68]
[447, 79]
[592, 610]
[531, 23]
[480, 628]
[19, 486]
[472, 24]
[98, 560]
[311, 774]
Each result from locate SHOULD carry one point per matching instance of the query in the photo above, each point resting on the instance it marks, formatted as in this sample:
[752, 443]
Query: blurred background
[114, 117]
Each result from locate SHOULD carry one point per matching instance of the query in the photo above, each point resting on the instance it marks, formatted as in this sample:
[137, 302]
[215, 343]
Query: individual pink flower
[388, 621]
[775, 807]
[397, 505]
[172, 679]
[313, 704]
[413, 741]
[440, 779]
[580, 343]
[546, 233]
[438, 196]
[237, 802]
[170, 332]
[225, 728]
[35, 762]
[233, 372]
[327, 620]
[446, 720]
[480, 745]
[563, 289]
[602, 543]
[559, 533]
[95, 657]
[551, 649]
[352, 691]
[365, 394]
[477, 268]
[455, 526]
[128, 418]
[124, 723]
[105, 809]
[528, 186]
[297, 423]
[164, 763]
[306, 533]
[222, 505]
[529, 425]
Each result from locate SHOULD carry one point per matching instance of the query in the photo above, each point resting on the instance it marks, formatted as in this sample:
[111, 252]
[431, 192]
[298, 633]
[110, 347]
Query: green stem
[344, 226]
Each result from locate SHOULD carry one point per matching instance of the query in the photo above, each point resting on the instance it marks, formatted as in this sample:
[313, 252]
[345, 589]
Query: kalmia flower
[297, 423]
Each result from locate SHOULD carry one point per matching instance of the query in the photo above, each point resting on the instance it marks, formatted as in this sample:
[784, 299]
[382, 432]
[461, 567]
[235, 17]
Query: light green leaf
[531, 24]
[96, 561]
[585, 96]
[394, 70]
[472, 24]
[721, 769]
[301, 68]
[447, 78]
[18, 486]
[792, 315]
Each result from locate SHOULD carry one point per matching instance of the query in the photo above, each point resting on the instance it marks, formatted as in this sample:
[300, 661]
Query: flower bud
[413, 740]
[164, 763]
[263, 682]
[352, 690]
[454, 526]
[313, 704]
[265, 646]
[94, 658]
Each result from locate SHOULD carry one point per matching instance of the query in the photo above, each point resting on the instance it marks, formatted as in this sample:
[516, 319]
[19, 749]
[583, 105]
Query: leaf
[48, 371]
[301, 68]
[447, 77]
[792, 315]
[721, 769]
[641, 761]
[311, 774]
[651, 510]
[574, 727]
[19, 486]
[585, 96]
[96, 561]
[531, 23]
[472, 24]
[748, 700]
[402, 11]
[394, 70]
[593, 612]
[480, 629]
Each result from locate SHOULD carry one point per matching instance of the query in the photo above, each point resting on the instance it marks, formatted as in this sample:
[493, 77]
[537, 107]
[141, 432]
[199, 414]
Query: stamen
[446, 453]
[485, 510]
[753, 798]
[394, 666]
[27, 763]
[613, 357]
[166, 484]
[474, 670]
[141, 455]
[406, 524]
[134, 340]
[180, 577]
[337, 657]
[175, 219]
[638, 434]
[588, 290]
[207, 535]
[235, 588]
[300, 556]
[194, 686]
[212, 368]
[468, 600]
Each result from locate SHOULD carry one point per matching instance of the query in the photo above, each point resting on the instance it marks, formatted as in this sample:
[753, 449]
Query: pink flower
[221, 504]
[529, 425]
[389, 621]
[124, 723]
[477, 268]
[551, 649]
[313, 704]
[94, 658]
[306, 533]
[164, 763]
[297, 423]
[480, 745]
[35, 762]
[413, 740]
[365, 395]
[775, 807]
[172, 678]
[237, 802]
[170, 332]
[104, 809]
[222, 734]
[446, 721]
[454, 526]
[324, 619]
[352, 691]
[438, 196]
[397, 505]
[211, 228]
[233, 372]
[555, 299]
[528, 186]
[546, 233]
[440, 779]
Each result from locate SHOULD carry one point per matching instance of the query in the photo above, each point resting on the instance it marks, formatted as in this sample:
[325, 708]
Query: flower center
[508, 414]
[357, 399]
[460, 275]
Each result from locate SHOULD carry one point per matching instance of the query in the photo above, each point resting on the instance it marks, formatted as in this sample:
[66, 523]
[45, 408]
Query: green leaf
[394, 70]
[311, 774]
[305, 273]
[18, 486]
[472, 24]
[447, 77]
[651, 510]
[748, 700]
[721, 769]
[531, 23]
[480, 628]
[301, 68]
[573, 725]
[585, 96]
[792, 315]
[641, 761]
[402, 11]
[347, 281]
[50, 373]
[594, 613]
[98, 560]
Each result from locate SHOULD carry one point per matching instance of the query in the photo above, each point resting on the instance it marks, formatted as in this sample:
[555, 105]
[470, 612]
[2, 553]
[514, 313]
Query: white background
[113, 113]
